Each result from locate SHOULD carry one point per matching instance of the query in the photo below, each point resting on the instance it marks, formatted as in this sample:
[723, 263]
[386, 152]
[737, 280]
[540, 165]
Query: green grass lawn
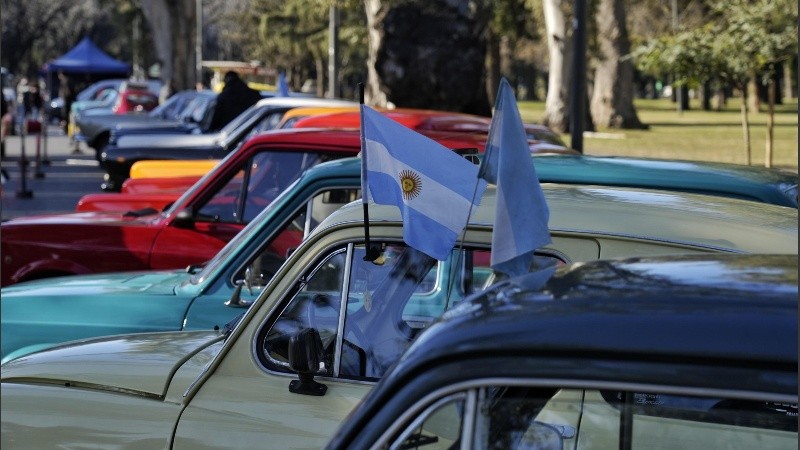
[694, 134]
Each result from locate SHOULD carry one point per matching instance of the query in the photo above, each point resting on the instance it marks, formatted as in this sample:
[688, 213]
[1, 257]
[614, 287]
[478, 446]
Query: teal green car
[239, 388]
[38, 314]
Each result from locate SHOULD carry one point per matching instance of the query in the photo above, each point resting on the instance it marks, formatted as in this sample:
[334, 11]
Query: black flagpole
[371, 252]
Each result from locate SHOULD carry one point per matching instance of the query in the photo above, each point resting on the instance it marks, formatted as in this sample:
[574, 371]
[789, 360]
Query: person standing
[66, 91]
[235, 97]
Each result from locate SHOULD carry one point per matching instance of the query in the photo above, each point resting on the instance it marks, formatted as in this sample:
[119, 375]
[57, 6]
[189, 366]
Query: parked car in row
[348, 117]
[185, 109]
[121, 152]
[692, 352]
[234, 388]
[759, 184]
[196, 299]
[541, 139]
[191, 231]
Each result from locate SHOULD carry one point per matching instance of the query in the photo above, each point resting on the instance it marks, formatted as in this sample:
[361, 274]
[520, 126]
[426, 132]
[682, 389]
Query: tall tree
[612, 96]
[172, 23]
[559, 46]
[428, 54]
[512, 23]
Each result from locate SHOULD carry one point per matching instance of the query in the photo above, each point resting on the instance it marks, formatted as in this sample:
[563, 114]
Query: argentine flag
[433, 186]
[521, 214]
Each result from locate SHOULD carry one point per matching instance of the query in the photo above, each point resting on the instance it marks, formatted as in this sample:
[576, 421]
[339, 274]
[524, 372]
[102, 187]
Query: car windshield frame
[241, 122]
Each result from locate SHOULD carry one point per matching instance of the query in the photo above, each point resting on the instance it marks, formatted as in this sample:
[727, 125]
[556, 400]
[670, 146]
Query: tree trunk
[612, 96]
[751, 88]
[745, 125]
[788, 92]
[183, 39]
[493, 73]
[428, 54]
[319, 64]
[374, 95]
[559, 46]
[174, 39]
[159, 18]
[770, 122]
[707, 94]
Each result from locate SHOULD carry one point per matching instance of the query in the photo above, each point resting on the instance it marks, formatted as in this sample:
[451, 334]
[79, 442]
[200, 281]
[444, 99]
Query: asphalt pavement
[51, 183]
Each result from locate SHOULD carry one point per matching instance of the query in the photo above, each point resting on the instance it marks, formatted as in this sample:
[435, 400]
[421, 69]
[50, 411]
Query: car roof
[296, 102]
[734, 180]
[302, 112]
[666, 216]
[704, 323]
[692, 307]
[417, 119]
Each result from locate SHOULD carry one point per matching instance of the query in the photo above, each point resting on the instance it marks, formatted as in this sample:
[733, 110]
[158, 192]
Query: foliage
[741, 38]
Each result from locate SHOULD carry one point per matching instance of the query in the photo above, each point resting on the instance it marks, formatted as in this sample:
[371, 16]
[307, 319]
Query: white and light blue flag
[521, 214]
[433, 186]
[283, 87]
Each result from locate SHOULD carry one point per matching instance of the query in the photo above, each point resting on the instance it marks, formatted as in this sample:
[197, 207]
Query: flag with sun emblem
[433, 186]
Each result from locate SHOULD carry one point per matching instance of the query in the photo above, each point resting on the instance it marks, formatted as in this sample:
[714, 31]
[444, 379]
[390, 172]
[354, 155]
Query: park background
[658, 78]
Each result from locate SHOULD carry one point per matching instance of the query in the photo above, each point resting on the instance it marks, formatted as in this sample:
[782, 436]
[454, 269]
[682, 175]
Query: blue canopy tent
[87, 62]
[87, 58]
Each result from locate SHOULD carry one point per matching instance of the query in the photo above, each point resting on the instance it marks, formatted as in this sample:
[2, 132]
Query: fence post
[23, 191]
[37, 172]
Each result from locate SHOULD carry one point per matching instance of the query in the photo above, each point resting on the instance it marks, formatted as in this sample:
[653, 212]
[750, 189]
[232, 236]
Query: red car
[196, 225]
[540, 138]
[192, 230]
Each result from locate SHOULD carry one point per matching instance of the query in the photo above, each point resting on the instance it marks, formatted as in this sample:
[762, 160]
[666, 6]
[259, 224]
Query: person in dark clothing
[235, 97]
[66, 90]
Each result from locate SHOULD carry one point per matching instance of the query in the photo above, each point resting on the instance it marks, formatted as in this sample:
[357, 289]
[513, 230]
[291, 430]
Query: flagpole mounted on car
[372, 252]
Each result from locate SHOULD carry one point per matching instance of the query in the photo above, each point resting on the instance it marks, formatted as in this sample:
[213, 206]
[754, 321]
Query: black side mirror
[184, 219]
[305, 355]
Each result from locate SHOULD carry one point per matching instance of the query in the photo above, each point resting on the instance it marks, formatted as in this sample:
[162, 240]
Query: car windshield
[173, 107]
[241, 238]
[195, 109]
[249, 115]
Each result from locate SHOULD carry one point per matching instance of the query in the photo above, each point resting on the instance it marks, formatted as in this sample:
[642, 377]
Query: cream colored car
[232, 388]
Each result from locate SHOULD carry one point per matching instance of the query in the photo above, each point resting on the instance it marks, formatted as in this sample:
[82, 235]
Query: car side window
[314, 305]
[225, 204]
[386, 303]
[269, 259]
[530, 417]
[263, 177]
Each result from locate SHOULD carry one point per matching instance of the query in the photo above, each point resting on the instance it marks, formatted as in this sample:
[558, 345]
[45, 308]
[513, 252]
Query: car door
[251, 266]
[216, 219]
[366, 313]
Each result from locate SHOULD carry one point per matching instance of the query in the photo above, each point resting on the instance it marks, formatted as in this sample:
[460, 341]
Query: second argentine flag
[434, 187]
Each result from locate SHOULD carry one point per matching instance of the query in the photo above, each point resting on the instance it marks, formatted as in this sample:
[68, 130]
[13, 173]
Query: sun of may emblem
[411, 184]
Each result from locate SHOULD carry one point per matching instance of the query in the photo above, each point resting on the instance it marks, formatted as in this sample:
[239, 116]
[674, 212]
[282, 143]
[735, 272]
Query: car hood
[168, 140]
[92, 217]
[119, 283]
[140, 364]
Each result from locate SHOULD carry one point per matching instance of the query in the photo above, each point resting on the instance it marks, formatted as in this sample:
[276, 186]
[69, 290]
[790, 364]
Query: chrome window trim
[457, 396]
[282, 305]
[348, 264]
[423, 404]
